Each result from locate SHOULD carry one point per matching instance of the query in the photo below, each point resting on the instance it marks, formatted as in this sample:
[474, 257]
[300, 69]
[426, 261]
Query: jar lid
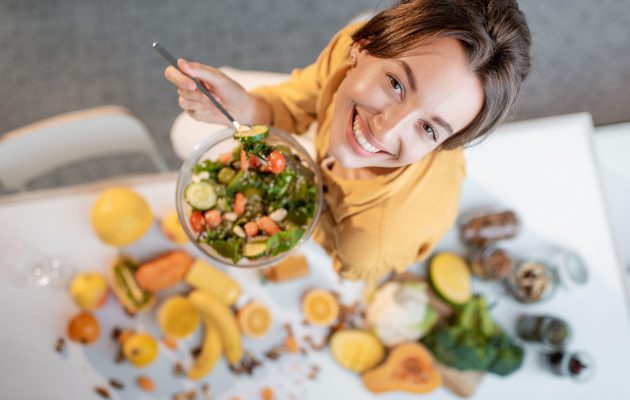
[572, 269]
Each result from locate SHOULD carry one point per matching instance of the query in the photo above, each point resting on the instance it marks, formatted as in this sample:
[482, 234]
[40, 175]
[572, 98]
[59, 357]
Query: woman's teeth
[358, 134]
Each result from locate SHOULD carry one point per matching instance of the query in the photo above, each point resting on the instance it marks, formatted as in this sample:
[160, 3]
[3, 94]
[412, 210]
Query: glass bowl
[223, 142]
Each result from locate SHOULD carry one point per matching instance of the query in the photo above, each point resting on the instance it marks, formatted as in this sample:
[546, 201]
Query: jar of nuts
[490, 263]
[480, 227]
[531, 281]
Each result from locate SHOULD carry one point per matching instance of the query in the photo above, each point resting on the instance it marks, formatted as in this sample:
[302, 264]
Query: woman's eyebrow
[407, 69]
[443, 124]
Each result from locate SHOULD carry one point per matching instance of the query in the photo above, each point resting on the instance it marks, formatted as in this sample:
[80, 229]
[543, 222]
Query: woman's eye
[396, 85]
[430, 131]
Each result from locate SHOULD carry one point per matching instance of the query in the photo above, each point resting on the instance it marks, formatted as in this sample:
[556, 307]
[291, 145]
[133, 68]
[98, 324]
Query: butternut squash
[409, 368]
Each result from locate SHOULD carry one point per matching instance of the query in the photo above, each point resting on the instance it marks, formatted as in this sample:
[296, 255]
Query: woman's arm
[294, 102]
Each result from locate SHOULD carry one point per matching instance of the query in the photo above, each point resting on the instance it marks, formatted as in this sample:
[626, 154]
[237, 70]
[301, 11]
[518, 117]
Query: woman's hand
[247, 109]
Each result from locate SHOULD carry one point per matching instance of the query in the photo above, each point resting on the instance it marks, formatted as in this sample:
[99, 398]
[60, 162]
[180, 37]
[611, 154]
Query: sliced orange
[320, 307]
[254, 320]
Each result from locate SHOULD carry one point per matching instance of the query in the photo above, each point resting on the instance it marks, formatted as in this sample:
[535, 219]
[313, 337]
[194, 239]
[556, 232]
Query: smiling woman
[395, 100]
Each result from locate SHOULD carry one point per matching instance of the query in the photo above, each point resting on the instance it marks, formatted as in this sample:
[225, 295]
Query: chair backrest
[41, 147]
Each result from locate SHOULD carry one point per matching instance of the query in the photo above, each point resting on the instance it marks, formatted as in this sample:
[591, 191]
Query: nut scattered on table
[116, 384]
[101, 391]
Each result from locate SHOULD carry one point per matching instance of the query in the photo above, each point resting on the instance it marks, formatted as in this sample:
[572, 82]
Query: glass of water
[26, 265]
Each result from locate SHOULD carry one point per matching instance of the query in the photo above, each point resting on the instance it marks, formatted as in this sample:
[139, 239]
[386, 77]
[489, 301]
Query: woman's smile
[360, 138]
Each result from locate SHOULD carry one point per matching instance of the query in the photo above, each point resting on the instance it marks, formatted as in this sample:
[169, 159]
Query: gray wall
[63, 55]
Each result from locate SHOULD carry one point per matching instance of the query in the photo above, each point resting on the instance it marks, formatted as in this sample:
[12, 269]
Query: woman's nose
[383, 127]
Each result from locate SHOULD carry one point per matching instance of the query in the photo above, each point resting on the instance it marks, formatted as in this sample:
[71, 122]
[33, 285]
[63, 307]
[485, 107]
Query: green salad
[253, 202]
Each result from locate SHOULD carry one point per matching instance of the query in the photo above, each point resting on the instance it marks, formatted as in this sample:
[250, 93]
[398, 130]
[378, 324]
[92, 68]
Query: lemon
[178, 317]
[141, 349]
[172, 229]
[120, 216]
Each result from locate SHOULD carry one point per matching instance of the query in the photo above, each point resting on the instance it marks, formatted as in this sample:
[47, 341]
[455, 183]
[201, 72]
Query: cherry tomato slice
[276, 161]
[197, 221]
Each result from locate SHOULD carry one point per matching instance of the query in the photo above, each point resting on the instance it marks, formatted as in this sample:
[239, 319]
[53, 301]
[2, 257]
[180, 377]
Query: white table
[543, 169]
[612, 146]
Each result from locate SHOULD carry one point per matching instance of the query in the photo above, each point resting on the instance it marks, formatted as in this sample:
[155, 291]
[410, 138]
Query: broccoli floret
[474, 342]
[509, 356]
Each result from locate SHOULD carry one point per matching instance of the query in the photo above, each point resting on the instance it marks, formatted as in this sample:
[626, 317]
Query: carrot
[164, 271]
[251, 229]
[244, 161]
[213, 218]
[239, 203]
[225, 158]
[268, 226]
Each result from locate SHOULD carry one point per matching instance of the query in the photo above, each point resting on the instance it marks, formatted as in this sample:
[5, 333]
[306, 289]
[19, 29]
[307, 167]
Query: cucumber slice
[255, 249]
[255, 133]
[200, 195]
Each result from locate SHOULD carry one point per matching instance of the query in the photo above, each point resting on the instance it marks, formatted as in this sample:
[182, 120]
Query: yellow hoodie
[373, 226]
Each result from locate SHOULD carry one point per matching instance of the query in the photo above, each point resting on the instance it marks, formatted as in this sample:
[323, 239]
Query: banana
[204, 276]
[210, 352]
[212, 308]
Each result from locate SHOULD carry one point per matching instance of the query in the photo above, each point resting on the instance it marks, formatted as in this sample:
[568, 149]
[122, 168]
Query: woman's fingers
[205, 73]
[178, 79]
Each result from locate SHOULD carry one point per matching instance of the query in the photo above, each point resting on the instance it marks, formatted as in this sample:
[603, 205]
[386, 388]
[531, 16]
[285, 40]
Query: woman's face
[392, 112]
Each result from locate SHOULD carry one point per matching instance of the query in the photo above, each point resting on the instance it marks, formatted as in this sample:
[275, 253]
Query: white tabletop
[542, 169]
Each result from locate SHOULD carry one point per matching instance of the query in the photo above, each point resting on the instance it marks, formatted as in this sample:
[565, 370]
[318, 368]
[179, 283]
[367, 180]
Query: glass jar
[531, 281]
[490, 263]
[480, 227]
[550, 333]
[579, 366]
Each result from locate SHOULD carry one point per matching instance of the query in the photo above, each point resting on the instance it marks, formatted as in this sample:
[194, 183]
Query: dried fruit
[205, 391]
[170, 343]
[178, 370]
[266, 393]
[84, 328]
[145, 383]
[60, 345]
[254, 320]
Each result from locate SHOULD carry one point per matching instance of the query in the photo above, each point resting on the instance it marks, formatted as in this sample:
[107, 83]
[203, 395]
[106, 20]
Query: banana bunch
[210, 352]
[220, 316]
[214, 292]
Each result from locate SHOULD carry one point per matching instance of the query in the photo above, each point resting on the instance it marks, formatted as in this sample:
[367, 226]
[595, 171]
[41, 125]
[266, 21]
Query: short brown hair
[494, 35]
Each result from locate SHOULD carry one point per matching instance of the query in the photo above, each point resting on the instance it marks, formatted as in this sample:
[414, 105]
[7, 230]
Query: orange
[320, 307]
[83, 328]
[254, 320]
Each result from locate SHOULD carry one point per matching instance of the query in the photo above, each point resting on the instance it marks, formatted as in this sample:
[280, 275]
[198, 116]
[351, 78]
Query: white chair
[33, 150]
[187, 132]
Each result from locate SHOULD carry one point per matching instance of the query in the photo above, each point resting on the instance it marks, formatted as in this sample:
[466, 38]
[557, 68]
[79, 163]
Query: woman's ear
[357, 50]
